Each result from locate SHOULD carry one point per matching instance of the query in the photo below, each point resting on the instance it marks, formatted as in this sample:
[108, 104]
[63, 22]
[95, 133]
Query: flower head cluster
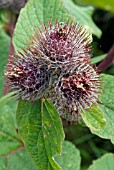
[56, 65]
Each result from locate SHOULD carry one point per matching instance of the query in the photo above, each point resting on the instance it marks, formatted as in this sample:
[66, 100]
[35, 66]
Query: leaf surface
[97, 59]
[106, 162]
[94, 117]
[83, 15]
[4, 52]
[106, 5]
[17, 161]
[41, 130]
[9, 140]
[70, 158]
[3, 163]
[107, 106]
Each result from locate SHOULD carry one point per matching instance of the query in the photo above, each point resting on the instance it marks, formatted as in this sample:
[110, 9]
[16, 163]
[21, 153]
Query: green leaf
[41, 130]
[97, 59]
[35, 13]
[106, 162]
[6, 98]
[107, 106]
[83, 15]
[106, 5]
[4, 52]
[3, 163]
[9, 140]
[70, 158]
[21, 160]
[3, 17]
[93, 117]
[17, 161]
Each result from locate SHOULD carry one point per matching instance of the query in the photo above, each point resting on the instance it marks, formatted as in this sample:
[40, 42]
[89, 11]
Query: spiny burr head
[27, 77]
[62, 43]
[75, 89]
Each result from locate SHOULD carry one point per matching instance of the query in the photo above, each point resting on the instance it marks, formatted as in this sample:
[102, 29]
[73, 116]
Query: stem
[108, 61]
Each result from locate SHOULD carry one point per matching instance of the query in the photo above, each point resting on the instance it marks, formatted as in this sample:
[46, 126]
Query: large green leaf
[104, 4]
[41, 130]
[70, 158]
[9, 140]
[107, 106]
[3, 163]
[21, 161]
[17, 161]
[83, 15]
[4, 51]
[35, 13]
[106, 162]
[94, 117]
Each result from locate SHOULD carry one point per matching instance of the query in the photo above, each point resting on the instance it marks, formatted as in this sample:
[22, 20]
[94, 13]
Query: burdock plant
[56, 64]
[52, 78]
